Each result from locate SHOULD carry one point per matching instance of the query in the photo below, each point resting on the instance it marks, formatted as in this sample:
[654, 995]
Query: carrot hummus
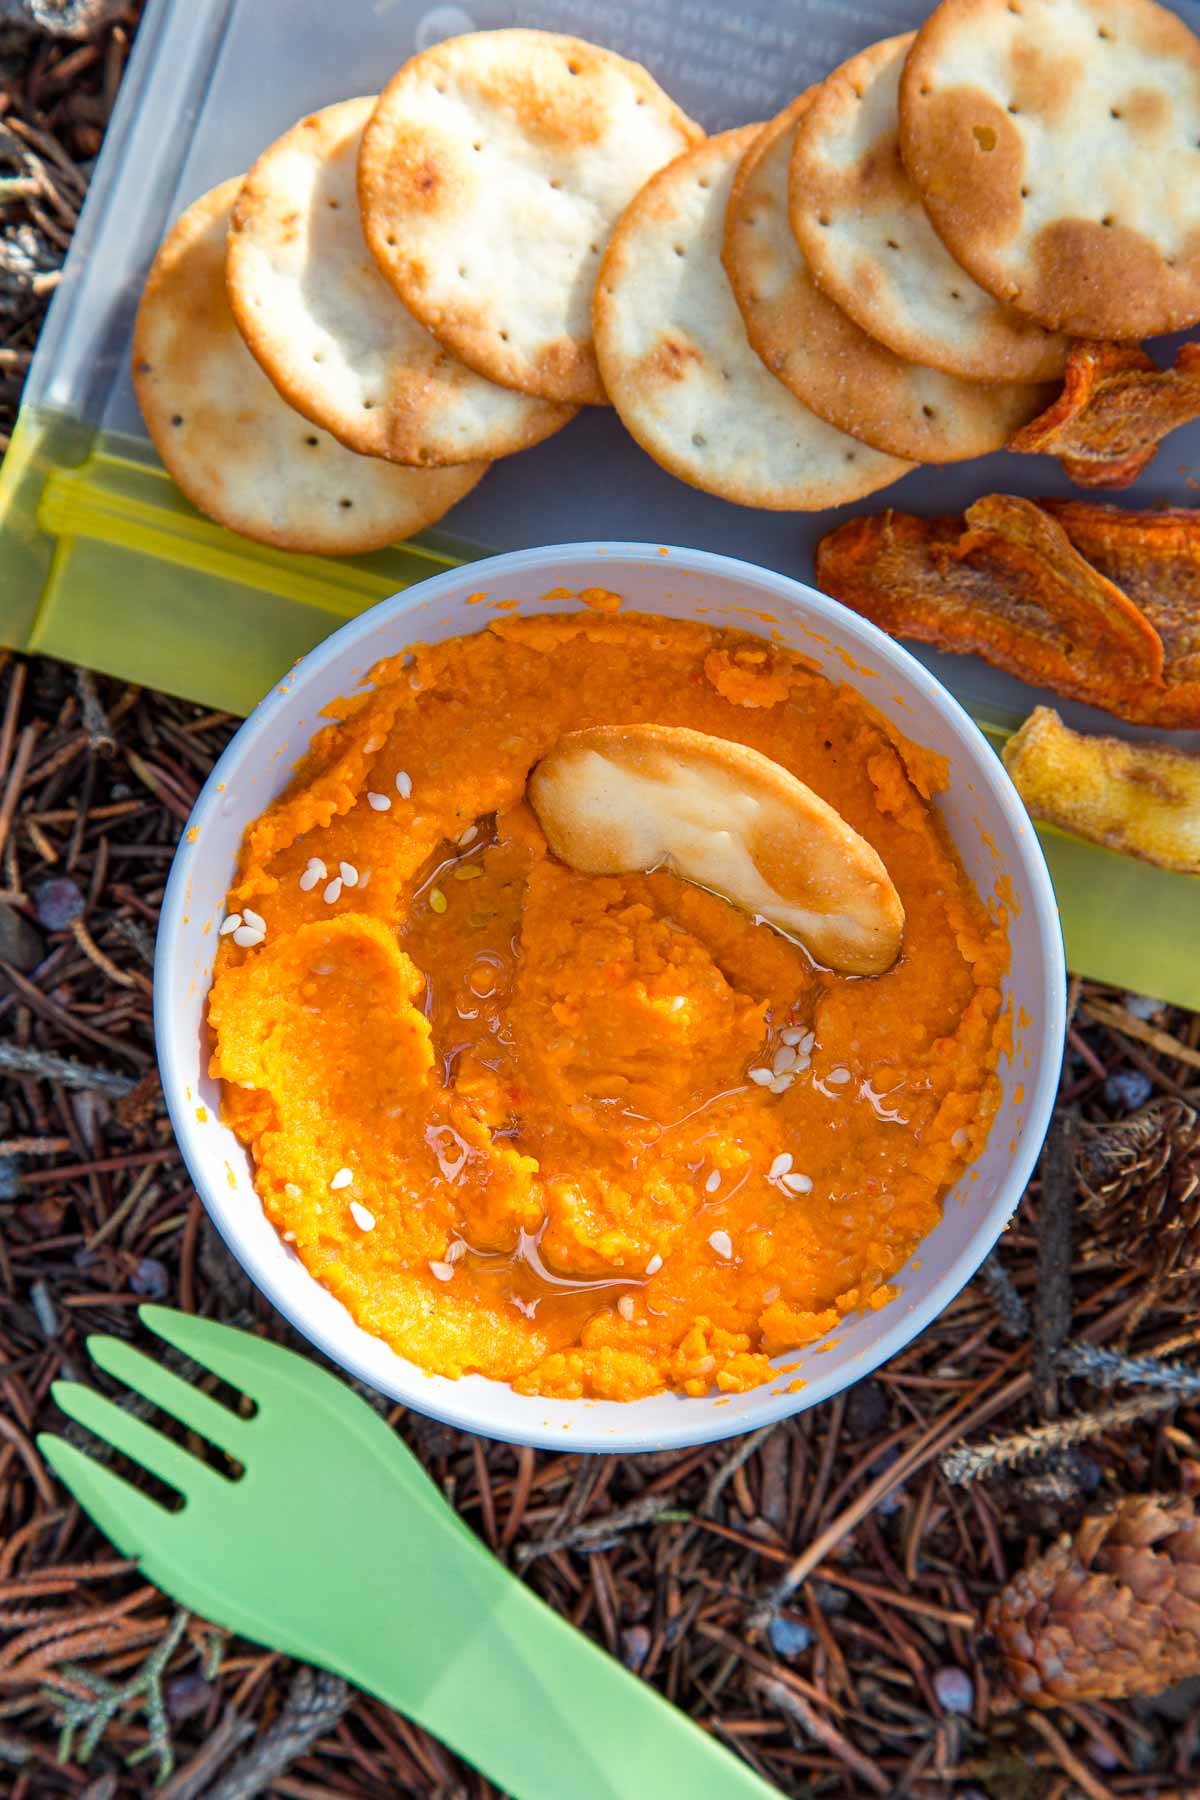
[592, 1135]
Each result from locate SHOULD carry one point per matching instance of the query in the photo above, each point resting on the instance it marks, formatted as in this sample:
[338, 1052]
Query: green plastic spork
[334, 1546]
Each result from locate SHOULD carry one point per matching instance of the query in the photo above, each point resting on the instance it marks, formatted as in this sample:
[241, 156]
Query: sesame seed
[437, 900]
[625, 1306]
[342, 1179]
[314, 862]
[380, 802]
[246, 937]
[784, 1060]
[654, 1265]
[782, 1083]
[713, 1182]
[838, 1077]
[780, 1166]
[442, 1271]
[255, 921]
[372, 745]
[792, 1035]
[403, 784]
[348, 873]
[808, 1040]
[469, 835]
[333, 892]
[763, 1077]
[363, 1218]
[310, 878]
[722, 1243]
[230, 924]
[799, 1184]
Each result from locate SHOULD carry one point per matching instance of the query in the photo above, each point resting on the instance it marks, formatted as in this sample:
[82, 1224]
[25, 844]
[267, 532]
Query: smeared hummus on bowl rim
[593, 1135]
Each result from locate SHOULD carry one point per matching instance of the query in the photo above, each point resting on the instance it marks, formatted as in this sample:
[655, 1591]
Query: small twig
[809, 1719]
[23, 1059]
[105, 1699]
[315, 1703]
[971, 1461]
[95, 719]
[1014, 1314]
[1107, 1367]
[1052, 1304]
[596, 1531]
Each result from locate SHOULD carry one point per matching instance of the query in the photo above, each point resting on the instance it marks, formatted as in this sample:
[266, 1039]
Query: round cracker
[613, 799]
[330, 332]
[232, 443]
[860, 222]
[1056, 146]
[828, 361]
[491, 174]
[680, 370]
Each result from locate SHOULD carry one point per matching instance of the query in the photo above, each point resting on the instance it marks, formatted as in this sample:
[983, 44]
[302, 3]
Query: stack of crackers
[791, 315]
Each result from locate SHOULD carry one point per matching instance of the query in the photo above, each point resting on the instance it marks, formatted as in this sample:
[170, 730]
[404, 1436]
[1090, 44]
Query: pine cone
[1112, 1612]
[1141, 1181]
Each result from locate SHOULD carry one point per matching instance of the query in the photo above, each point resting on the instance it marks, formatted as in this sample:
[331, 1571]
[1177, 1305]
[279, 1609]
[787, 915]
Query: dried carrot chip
[1142, 799]
[1006, 583]
[1115, 407]
[1154, 557]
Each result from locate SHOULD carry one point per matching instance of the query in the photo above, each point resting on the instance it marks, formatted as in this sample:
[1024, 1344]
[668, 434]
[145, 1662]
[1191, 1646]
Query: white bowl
[984, 816]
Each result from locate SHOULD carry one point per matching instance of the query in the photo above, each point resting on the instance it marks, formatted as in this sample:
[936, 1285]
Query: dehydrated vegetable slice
[1011, 587]
[1115, 408]
[1154, 557]
[1142, 799]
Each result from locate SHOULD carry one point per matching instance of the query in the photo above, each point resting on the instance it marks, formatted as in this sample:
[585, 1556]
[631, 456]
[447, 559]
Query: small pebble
[954, 1689]
[186, 1695]
[151, 1279]
[1101, 1756]
[788, 1635]
[1128, 1089]
[57, 903]
[635, 1647]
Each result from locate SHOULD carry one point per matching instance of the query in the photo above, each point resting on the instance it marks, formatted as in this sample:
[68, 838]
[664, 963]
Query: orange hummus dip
[597, 1136]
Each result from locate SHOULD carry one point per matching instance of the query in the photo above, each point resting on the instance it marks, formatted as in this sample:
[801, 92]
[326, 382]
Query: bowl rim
[698, 1424]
